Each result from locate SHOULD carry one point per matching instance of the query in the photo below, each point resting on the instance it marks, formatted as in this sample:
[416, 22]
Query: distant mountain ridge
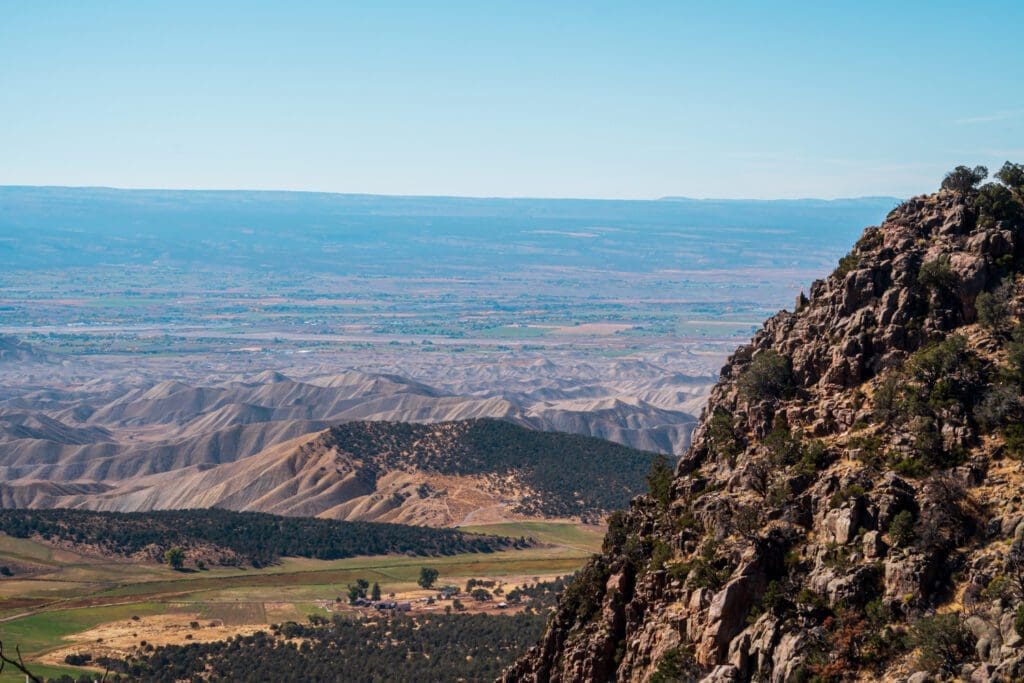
[112, 431]
[791, 201]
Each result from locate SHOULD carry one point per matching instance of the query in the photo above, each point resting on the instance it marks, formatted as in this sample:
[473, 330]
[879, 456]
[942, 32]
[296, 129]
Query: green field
[565, 534]
[63, 594]
[513, 332]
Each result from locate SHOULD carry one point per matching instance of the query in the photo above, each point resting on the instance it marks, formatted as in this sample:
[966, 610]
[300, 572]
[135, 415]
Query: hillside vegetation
[851, 506]
[224, 537]
[543, 473]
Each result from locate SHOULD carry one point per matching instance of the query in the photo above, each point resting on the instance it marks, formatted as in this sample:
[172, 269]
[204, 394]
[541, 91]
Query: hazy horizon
[343, 193]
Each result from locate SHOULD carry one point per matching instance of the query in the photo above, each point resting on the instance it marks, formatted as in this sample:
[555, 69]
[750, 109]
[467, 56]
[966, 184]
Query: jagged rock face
[851, 507]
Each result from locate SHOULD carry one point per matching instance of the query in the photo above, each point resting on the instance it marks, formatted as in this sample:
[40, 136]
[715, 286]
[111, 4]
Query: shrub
[994, 309]
[679, 571]
[660, 554]
[722, 434]
[927, 442]
[869, 448]
[962, 385]
[811, 599]
[783, 446]
[909, 467]
[963, 179]
[886, 399]
[1012, 175]
[837, 556]
[290, 629]
[813, 457]
[945, 521]
[997, 203]
[845, 494]
[6, 571]
[659, 481]
[998, 588]
[901, 529]
[677, 664]
[846, 264]
[1001, 404]
[1015, 357]
[775, 601]
[943, 642]
[708, 570]
[767, 377]
[778, 493]
[584, 594]
[938, 276]
[1013, 436]
[747, 520]
[931, 363]
[1018, 620]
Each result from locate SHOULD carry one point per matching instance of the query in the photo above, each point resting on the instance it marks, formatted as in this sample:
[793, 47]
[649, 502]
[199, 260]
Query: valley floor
[73, 603]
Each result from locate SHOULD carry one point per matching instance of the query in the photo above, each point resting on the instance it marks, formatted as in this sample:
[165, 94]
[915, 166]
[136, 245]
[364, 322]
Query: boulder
[873, 545]
[842, 524]
[787, 659]
[909, 577]
[727, 615]
[988, 639]
[725, 673]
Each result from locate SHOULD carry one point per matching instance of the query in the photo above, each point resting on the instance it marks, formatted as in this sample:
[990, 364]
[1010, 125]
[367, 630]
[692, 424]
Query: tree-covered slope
[549, 474]
[226, 537]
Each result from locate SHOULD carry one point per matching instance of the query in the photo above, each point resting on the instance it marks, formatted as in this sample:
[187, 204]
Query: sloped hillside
[440, 474]
[851, 507]
[548, 474]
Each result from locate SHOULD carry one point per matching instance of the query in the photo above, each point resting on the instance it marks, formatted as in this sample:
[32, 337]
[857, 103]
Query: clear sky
[547, 99]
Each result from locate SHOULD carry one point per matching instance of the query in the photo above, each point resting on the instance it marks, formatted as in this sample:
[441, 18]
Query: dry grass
[123, 638]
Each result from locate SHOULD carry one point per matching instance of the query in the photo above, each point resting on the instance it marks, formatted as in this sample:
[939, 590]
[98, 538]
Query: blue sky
[625, 99]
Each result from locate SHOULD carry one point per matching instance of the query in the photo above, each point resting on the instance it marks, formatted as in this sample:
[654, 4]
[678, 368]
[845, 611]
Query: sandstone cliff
[851, 507]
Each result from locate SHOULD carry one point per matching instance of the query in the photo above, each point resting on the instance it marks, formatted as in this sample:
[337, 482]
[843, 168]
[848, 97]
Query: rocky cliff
[852, 506]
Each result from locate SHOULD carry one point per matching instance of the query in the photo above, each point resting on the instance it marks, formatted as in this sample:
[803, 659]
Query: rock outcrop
[851, 507]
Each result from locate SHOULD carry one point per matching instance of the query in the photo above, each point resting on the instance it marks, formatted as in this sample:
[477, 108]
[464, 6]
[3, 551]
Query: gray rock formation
[850, 508]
